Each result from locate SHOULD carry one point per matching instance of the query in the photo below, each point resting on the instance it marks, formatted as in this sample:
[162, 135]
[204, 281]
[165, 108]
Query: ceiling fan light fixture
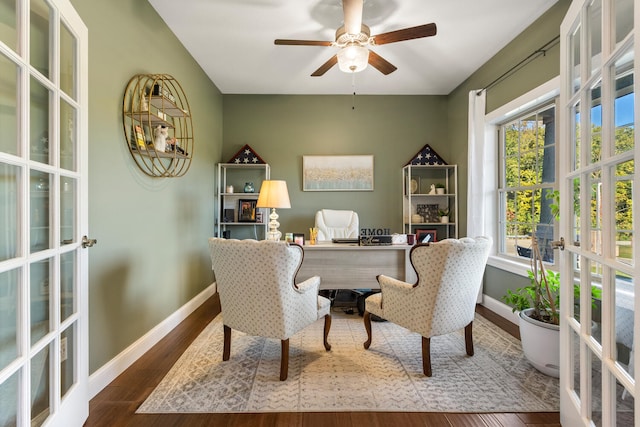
[353, 58]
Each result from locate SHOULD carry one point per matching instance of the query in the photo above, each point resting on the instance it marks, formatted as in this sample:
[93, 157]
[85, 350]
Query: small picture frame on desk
[425, 236]
[247, 210]
[298, 238]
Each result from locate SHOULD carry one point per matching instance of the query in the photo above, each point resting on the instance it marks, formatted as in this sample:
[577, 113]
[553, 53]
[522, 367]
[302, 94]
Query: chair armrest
[389, 284]
[312, 284]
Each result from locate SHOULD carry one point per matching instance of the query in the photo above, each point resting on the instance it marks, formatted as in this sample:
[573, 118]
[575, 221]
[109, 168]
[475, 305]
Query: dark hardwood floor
[115, 406]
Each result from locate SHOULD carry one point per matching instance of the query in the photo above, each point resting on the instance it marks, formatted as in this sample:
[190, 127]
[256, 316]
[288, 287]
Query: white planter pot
[444, 219]
[540, 344]
[439, 190]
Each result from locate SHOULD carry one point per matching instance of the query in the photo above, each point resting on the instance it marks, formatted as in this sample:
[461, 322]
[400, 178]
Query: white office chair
[337, 224]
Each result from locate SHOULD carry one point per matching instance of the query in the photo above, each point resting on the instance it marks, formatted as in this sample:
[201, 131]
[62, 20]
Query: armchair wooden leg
[284, 360]
[426, 356]
[367, 326]
[226, 349]
[468, 338]
[327, 326]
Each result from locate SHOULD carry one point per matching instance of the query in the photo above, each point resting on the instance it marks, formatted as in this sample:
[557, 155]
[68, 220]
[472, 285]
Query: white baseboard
[110, 370]
[500, 308]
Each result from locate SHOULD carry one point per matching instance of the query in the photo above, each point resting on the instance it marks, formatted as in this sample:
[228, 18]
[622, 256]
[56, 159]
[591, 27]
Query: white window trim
[492, 121]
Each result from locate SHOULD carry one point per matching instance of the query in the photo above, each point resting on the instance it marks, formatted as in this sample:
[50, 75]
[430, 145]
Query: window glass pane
[529, 163]
[39, 36]
[574, 48]
[595, 368]
[9, 392]
[624, 212]
[624, 313]
[576, 210]
[40, 218]
[39, 299]
[67, 61]
[9, 303]
[8, 29]
[575, 363]
[8, 104]
[39, 122]
[576, 295]
[625, 408]
[594, 12]
[596, 123]
[623, 108]
[67, 285]
[68, 136]
[40, 386]
[624, 18]
[9, 176]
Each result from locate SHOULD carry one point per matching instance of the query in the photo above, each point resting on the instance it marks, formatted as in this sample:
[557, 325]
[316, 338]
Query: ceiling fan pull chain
[353, 86]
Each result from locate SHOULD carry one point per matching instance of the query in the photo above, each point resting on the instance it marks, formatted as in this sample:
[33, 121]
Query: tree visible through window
[528, 163]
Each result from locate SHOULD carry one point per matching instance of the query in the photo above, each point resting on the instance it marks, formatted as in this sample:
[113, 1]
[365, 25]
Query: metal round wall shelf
[157, 125]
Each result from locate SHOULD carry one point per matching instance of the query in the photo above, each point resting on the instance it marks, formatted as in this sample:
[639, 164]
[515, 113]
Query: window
[527, 193]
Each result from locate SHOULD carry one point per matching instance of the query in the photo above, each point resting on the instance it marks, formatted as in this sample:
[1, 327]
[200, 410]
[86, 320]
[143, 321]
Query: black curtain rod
[541, 51]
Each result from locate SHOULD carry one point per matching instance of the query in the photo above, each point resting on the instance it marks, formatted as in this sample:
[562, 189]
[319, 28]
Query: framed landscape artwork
[337, 173]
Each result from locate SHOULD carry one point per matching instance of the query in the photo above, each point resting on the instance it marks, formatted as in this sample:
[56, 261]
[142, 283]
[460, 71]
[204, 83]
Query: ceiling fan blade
[381, 64]
[302, 42]
[352, 16]
[418, 32]
[326, 66]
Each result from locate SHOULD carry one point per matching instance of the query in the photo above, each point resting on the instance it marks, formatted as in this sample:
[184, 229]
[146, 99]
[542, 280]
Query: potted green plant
[444, 215]
[538, 304]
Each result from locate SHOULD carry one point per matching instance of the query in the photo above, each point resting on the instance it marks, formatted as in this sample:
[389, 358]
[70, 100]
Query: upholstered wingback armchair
[443, 299]
[258, 293]
[337, 224]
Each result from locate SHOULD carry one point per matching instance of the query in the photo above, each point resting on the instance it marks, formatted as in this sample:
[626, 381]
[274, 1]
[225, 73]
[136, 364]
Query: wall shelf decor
[157, 125]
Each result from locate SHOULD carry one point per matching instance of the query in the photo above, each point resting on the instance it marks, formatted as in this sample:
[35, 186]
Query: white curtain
[477, 164]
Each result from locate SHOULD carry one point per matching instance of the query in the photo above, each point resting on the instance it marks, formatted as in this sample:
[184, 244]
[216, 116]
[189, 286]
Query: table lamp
[273, 194]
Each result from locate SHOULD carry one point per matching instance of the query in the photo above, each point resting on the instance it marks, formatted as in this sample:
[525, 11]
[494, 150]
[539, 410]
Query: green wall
[152, 255]
[281, 129]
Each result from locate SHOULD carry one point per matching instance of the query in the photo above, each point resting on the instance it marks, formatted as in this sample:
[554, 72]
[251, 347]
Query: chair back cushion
[255, 280]
[337, 224]
[450, 274]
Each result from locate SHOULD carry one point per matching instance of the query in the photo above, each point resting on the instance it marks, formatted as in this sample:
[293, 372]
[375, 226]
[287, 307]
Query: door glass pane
[67, 136]
[596, 386]
[624, 19]
[594, 12]
[624, 312]
[574, 352]
[67, 61]
[39, 122]
[574, 49]
[576, 211]
[8, 31]
[624, 212]
[67, 210]
[9, 176]
[40, 384]
[39, 299]
[9, 302]
[592, 313]
[8, 103]
[9, 393]
[40, 219]
[67, 285]
[595, 232]
[39, 36]
[596, 123]
[625, 410]
[67, 359]
[623, 108]
[576, 288]
[576, 137]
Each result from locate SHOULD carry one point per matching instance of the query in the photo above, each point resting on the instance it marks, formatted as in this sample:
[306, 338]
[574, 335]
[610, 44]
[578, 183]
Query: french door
[43, 205]
[599, 111]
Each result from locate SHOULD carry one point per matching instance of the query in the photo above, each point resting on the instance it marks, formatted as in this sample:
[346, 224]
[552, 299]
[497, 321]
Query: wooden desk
[349, 266]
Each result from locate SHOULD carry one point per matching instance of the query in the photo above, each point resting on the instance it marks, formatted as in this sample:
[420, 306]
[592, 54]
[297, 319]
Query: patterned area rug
[387, 377]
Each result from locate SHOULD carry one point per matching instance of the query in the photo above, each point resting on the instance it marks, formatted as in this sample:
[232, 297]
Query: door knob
[555, 244]
[87, 243]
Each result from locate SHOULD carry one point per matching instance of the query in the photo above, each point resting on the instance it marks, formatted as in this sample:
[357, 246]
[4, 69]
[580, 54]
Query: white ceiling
[232, 40]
